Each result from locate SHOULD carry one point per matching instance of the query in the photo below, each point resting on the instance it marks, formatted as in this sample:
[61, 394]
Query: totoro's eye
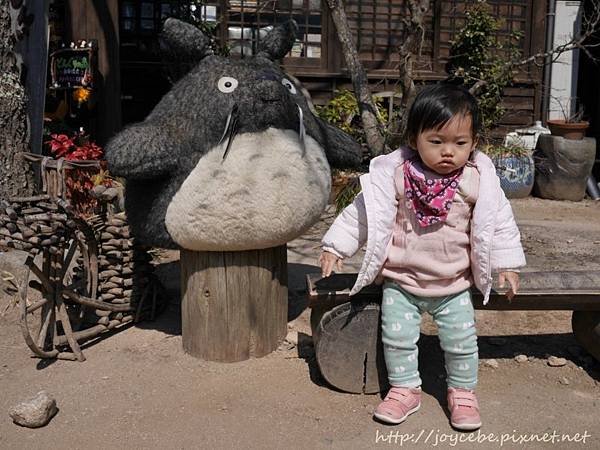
[288, 84]
[227, 84]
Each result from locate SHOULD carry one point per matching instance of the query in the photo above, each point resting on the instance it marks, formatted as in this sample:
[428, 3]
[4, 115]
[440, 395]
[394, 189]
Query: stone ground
[138, 389]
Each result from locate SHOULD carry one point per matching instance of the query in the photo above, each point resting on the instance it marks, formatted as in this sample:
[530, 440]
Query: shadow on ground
[431, 358]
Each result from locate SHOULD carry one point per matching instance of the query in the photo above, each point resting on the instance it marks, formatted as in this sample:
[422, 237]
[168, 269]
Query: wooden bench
[346, 331]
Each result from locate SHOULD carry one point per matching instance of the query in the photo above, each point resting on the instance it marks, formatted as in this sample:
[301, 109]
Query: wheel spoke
[37, 305]
[66, 323]
[42, 277]
[48, 315]
[67, 261]
[82, 300]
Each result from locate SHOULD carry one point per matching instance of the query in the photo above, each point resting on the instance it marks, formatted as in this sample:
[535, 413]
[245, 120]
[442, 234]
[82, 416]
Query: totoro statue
[232, 158]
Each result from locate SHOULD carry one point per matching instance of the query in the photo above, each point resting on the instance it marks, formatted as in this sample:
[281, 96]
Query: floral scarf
[429, 199]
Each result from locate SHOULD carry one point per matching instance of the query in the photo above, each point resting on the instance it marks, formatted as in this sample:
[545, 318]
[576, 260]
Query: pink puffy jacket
[495, 238]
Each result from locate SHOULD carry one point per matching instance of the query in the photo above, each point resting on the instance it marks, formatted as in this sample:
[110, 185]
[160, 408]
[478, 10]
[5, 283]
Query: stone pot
[516, 174]
[562, 167]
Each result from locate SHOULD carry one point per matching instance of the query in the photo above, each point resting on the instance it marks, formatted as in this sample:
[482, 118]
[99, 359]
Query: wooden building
[133, 77]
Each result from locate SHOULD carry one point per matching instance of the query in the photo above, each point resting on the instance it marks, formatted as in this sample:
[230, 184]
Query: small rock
[569, 241]
[531, 358]
[35, 412]
[521, 358]
[497, 341]
[491, 363]
[564, 380]
[555, 361]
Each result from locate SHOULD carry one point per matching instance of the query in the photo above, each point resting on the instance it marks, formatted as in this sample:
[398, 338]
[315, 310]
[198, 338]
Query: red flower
[61, 144]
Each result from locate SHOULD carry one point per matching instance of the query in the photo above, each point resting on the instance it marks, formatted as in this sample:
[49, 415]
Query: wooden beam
[577, 291]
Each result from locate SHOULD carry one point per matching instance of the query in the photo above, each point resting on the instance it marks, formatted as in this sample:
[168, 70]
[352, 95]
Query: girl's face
[447, 149]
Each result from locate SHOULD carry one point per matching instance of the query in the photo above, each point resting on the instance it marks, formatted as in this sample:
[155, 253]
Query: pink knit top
[433, 261]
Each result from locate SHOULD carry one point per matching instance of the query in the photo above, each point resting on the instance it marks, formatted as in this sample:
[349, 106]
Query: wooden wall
[99, 19]
[377, 30]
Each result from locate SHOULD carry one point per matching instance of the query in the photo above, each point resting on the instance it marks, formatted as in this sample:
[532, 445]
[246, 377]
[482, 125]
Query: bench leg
[586, 328]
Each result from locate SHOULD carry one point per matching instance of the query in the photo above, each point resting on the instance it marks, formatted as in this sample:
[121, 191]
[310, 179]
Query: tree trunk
[234, 304]
[16, 177]
[366, 105]
[414, 32]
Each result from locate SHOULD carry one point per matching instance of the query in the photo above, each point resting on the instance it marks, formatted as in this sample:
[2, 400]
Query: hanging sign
[72, 68]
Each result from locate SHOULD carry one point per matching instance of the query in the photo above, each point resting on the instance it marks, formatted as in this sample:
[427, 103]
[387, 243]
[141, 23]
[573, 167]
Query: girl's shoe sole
[388, 419]
[466, 426]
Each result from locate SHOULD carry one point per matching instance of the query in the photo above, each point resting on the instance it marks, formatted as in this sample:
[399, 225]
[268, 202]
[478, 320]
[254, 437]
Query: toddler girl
[435, 221]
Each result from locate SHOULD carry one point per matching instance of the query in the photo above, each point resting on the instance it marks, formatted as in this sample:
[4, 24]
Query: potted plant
[564, 158]
[571, 126]
[514, 166]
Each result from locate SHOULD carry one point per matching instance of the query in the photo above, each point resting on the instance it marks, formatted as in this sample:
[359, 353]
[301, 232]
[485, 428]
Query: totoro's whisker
[228, 123]
[231, 136]
[230, 130]
[301, 129]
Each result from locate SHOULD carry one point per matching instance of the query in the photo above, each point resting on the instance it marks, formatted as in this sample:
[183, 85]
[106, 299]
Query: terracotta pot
[568, 130]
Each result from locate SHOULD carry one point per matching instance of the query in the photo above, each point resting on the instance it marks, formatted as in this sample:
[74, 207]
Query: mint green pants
[401, 328]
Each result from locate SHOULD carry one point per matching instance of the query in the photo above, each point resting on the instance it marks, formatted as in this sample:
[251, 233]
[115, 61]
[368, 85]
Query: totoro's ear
[279, 41]
[182, 46]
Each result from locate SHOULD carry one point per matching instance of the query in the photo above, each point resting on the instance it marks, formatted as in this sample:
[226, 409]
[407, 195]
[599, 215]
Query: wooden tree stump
[234, 304]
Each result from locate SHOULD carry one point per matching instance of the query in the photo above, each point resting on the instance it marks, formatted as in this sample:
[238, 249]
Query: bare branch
[590, 24]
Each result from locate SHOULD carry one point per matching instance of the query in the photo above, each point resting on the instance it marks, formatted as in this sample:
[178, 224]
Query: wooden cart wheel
[586, 328]
[348, 350]
[50, 323]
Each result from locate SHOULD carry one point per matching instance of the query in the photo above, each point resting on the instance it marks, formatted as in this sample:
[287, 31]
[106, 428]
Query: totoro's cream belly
[264, 194]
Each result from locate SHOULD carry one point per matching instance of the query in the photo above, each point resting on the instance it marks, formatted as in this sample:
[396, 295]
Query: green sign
[71, 68]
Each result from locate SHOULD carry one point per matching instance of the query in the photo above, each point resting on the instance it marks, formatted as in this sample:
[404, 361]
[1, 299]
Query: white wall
[563, 84]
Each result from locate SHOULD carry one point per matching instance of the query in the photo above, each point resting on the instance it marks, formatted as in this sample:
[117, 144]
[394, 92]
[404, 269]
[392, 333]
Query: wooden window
[379, 28]
[246, 22]
[516, 15]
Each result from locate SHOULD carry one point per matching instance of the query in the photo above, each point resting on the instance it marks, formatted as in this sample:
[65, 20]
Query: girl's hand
[513, 281]
[327, 261]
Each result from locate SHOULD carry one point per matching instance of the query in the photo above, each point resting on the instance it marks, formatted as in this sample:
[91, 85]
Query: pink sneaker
[398, 404]
[464, 409]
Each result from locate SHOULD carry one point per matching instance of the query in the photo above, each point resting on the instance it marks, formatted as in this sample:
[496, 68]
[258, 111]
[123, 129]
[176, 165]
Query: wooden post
[234, 304]
[35, 57]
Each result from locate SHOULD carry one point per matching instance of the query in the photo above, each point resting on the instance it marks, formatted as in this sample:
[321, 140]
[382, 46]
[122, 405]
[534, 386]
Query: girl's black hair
[435, 105]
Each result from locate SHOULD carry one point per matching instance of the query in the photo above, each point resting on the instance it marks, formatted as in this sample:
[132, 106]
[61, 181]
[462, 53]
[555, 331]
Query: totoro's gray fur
[157, 155]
